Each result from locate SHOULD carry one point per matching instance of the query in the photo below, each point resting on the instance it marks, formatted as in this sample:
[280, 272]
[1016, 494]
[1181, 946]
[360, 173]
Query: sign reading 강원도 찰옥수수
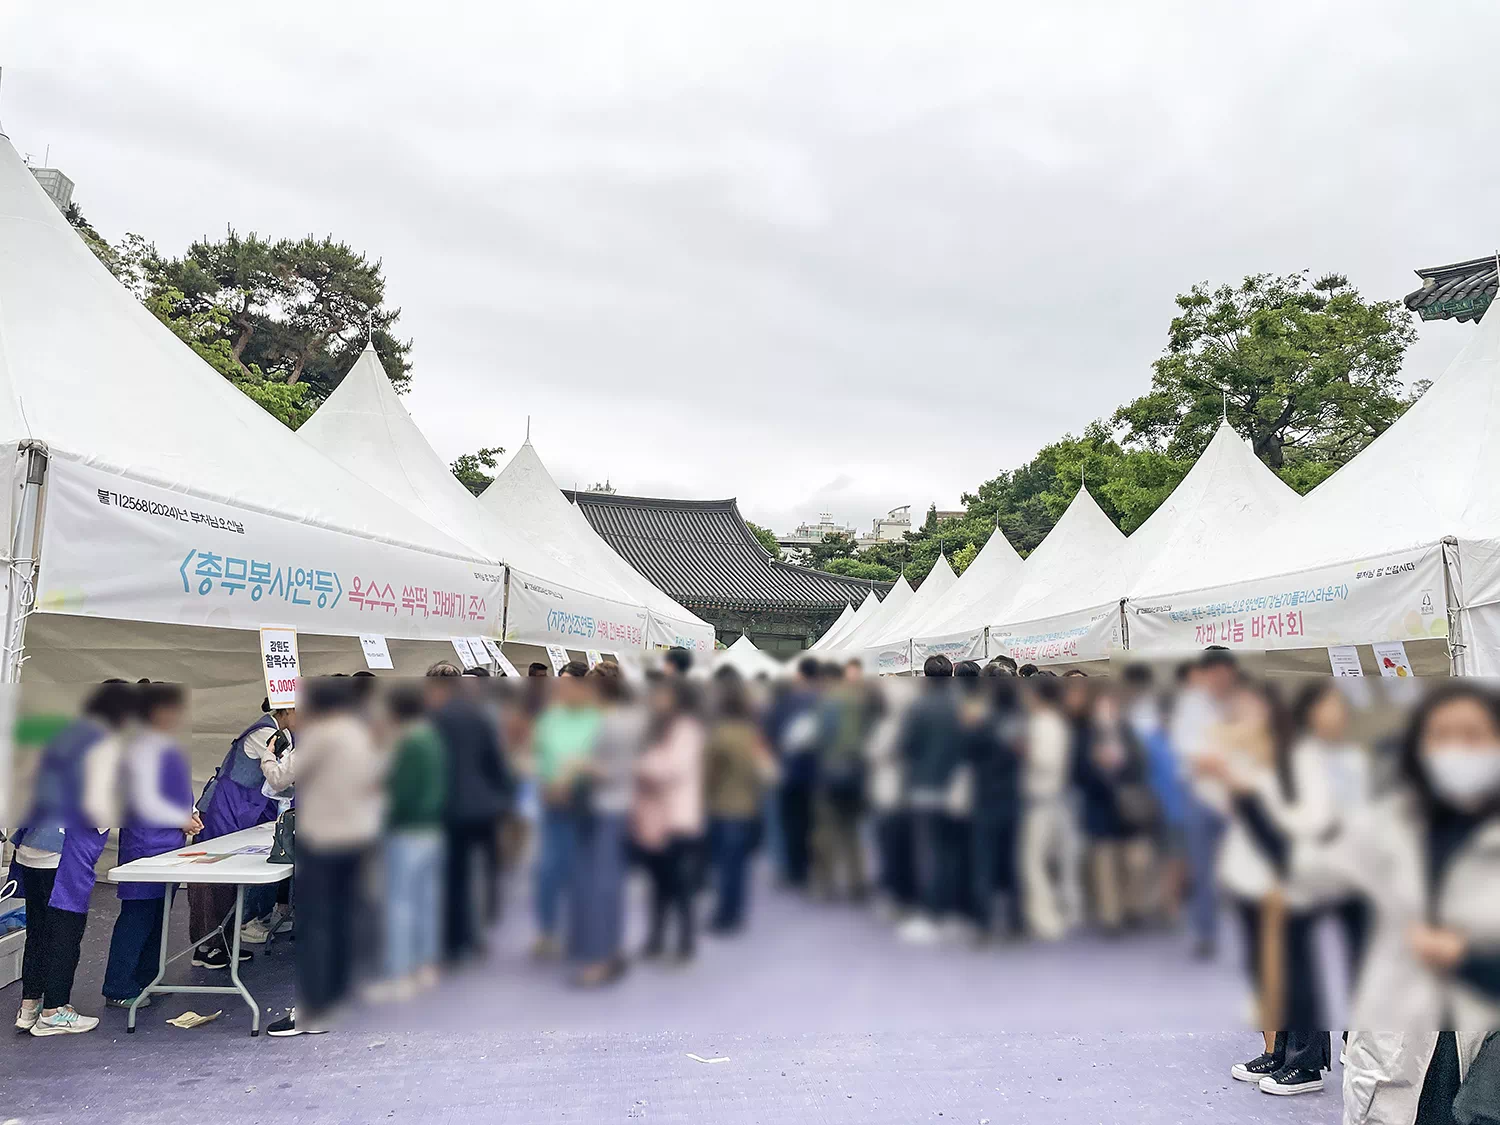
[282, 666]
[113, 547]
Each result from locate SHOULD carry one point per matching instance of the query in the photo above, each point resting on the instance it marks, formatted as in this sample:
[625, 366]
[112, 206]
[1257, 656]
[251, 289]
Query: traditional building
[1461, 291]
[702, 554]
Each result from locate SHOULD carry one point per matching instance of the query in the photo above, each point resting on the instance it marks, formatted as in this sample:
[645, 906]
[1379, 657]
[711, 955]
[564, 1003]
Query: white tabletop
[238, 867]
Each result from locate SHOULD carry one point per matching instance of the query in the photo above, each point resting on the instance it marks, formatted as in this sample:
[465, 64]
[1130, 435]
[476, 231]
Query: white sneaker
[64, 1021]
[31, 1011]
[918, 931]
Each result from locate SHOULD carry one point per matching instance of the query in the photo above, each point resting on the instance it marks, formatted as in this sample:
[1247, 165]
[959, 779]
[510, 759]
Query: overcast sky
[831, 257]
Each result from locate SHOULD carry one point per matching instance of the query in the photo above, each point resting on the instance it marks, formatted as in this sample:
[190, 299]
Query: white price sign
[278, 653]
[480, 652]
[594, 658]
[377, 652]
[559, 657]
[1391, 656]
[461, 646]
[497, 654]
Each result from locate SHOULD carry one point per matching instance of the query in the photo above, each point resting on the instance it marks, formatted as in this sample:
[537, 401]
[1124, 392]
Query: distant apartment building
[58, 187]
[893, 525]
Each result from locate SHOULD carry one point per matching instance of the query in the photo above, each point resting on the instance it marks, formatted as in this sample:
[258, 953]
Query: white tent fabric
[890, 652]
[954, 626]
[1082, 540]
[525, 495]
[1361, 559]
[170, 496]
[837, 627]
[365, 427]
[852, 643]
[835, 635]
[1218, 513]
[748, 660]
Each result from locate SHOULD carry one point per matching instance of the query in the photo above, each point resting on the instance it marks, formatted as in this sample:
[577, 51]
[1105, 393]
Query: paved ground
[821, 1015]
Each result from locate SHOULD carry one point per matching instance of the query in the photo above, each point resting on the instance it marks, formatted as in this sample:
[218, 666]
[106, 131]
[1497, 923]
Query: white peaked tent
[158, 517]
[1218, 513]
[831, 639]
[1403, 536]
[365, 427]
[840, 625]
[853, 642]
[169, 496]
[748, 660]
[525, 495]
[890, 651]
[1082, 540]
[954, 626]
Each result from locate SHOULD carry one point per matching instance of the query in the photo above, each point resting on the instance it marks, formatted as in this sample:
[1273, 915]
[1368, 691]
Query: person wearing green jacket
[416, 791]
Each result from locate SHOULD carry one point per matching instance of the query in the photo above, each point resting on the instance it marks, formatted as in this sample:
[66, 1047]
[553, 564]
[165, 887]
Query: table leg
[234, 961]
[161, 965]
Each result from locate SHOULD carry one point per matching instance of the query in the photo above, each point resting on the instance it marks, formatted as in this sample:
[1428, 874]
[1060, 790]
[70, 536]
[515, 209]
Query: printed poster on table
[278, 654]
[113, 547]
[377, 652]
[1392, 597]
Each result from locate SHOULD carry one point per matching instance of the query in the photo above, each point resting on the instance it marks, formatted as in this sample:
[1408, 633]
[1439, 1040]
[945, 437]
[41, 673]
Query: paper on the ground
[1391, 656]
[1345, 660]
[700, 1058]
[559, 657]
[193, 1019]
[461, 646]
[377, 652]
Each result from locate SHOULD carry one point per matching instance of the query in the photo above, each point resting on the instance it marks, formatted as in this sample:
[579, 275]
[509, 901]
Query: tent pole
[25, 548]
[1453, 593]
[505, 606]
[1124, 626]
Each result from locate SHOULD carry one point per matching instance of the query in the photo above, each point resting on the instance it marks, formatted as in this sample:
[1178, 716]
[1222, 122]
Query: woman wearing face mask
[1427, 860]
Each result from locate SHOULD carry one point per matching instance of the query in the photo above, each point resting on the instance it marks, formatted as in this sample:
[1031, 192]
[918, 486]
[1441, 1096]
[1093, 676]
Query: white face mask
[1464, 776]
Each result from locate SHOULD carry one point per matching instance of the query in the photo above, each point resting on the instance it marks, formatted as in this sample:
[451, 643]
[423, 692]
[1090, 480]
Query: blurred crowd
[982, 805]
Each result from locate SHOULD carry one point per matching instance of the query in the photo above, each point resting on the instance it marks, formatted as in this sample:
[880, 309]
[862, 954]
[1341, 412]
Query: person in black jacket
[992, 751]
[480, 790]
[1118, 813]
[931, 746]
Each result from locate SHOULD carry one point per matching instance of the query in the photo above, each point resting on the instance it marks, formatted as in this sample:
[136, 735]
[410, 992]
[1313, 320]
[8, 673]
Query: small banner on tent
[1091, 634]
[662, 632]
[1394, 597]
[962, 646]
[546, 613]
[893, 660]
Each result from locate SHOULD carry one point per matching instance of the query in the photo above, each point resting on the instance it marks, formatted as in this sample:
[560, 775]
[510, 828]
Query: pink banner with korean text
[1398, 596]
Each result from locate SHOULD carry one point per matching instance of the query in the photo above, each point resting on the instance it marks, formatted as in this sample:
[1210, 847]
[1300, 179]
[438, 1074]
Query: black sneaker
[286, 1027]
[218, 957]
[1292, 1080]
[116, 1002]
[1255, 1069]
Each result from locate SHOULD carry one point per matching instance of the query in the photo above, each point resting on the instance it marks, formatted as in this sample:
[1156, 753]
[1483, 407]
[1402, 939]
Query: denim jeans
[554, 861]
[413, 900]
[1204, 830]
[134, 948]
[730, 842]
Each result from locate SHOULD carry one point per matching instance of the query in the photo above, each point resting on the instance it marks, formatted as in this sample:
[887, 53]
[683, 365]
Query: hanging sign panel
[957, 647]
[559, 657]
[278, 653]
[377, 652]
[543, 612]
[112, 547]
[1091, 634]
[465, 654]
[1399, 596]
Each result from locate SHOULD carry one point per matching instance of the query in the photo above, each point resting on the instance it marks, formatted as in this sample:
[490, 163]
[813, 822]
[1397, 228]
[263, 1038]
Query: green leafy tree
[767, 539]
[476, 471]
[858, 568]
[1307, 369]
[835, 545]
[962, 557]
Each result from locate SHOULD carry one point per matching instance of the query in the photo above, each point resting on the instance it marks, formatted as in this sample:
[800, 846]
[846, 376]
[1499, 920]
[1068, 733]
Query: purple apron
[139, 840]
[237, 801]
[82, 847]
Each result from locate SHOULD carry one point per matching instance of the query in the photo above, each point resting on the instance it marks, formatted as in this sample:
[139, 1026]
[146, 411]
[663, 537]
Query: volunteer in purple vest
[56, 848]
[232, 801]
[159, 815]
